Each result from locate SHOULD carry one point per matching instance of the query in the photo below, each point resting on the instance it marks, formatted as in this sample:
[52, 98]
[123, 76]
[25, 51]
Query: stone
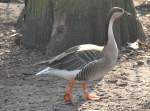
[121, 83]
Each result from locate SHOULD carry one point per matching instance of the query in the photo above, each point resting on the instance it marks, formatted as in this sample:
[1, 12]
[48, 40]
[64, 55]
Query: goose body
[88, 61]
[73, 61]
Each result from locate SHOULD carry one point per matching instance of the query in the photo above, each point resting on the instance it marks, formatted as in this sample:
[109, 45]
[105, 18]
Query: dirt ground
[126, 88]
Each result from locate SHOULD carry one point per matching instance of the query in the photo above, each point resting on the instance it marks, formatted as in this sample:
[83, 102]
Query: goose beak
[127, 13]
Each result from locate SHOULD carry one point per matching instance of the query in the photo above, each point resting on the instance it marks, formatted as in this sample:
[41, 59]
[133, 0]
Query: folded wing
[76, 57]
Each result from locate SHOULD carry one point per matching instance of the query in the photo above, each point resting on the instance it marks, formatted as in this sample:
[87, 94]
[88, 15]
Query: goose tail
[45, 71]
[60, 73]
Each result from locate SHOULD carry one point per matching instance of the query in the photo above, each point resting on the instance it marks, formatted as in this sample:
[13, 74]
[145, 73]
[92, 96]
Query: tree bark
[62, 24]
[38, 21]
[86, 24]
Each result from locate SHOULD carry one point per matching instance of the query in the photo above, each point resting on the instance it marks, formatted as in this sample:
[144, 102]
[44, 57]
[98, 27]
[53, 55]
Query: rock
[124, 77]
[146, 105]
[125, 74]
[134, 45]
[111, 80]
[121, 83]
[140, 62]
[148, 62]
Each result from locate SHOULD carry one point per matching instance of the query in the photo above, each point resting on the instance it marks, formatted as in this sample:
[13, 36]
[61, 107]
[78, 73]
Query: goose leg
[68, 94]
[87, 95]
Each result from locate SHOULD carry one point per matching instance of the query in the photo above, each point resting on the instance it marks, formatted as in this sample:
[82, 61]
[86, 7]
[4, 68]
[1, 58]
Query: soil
[126, 88]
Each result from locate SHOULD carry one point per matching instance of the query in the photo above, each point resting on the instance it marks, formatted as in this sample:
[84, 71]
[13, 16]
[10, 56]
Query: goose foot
[67, 98]
[87, 96]
[91, 96]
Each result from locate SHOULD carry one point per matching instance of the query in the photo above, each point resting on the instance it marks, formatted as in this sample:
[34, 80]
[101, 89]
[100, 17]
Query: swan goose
[86, 62]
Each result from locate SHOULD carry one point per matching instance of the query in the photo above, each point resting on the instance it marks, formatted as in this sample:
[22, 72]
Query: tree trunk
[85, 23]
[76, 22]
[38, 21]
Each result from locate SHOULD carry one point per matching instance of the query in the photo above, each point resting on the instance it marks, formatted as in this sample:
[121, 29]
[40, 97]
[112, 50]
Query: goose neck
[111, 49]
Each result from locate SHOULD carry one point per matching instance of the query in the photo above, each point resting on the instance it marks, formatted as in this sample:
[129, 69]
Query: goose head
[117, 12]
[114, 14]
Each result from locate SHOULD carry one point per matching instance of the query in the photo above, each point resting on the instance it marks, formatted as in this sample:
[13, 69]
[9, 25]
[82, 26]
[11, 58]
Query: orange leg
[68, 95]
[87, 95]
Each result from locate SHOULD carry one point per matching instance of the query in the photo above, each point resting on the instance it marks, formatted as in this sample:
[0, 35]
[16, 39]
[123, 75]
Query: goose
[83, 63]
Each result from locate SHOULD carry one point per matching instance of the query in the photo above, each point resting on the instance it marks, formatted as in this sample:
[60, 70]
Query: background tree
[38, 20]
[60, 24]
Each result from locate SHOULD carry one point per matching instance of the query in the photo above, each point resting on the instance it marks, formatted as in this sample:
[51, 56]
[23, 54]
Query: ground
[126, 88]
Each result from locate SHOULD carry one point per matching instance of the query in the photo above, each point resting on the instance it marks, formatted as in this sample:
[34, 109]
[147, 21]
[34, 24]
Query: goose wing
[76, 57]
